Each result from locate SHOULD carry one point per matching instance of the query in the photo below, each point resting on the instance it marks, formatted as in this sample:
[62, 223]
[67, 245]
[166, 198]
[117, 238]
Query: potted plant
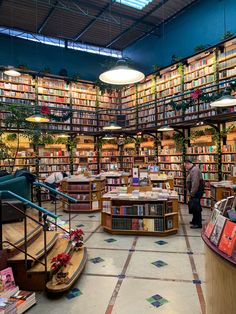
[59, 264]
[76, 238]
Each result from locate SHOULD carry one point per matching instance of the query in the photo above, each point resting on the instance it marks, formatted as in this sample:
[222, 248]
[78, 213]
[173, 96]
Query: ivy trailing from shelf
[198, 94]
[64, 117]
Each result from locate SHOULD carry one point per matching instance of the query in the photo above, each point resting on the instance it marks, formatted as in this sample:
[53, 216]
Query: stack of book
[13, 300]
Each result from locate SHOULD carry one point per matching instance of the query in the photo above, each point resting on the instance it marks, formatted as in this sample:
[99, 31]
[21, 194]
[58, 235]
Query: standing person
[53, 182]
[195, 187]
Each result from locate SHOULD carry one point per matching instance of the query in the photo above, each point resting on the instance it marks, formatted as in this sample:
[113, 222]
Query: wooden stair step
[78, 262]
[61, 245]
[16, 235]
[36, 248]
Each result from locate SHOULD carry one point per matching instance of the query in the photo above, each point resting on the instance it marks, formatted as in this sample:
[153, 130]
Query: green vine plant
[227, 35]
[180, 141]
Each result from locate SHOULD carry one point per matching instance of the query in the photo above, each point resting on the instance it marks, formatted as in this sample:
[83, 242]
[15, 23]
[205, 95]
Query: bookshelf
[109, 155]
[87, 191]
[86, 156]
[140, 216]
[116, 179]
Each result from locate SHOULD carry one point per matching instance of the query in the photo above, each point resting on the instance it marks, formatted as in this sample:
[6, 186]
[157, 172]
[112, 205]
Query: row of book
[144, 224]
[157, 209]
[13, 300]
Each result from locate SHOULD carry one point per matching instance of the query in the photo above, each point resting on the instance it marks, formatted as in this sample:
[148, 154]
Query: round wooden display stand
[220, 280]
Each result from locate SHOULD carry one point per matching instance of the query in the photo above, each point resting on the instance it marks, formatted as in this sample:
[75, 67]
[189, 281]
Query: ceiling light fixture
[108, 137]
[224, 101]
[63, 135]
[111, 127]
[165, 128]
[37, 118]
[121, 74]
[11, 71]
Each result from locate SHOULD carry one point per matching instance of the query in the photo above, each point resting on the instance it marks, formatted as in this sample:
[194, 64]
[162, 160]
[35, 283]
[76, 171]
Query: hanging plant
[227, 35]
[200, 48]
[153, 87]
[129, 140]
[76, 77]
[107, 88]
[11, 137]
[180, 140]
[156, 67]
[180, 68]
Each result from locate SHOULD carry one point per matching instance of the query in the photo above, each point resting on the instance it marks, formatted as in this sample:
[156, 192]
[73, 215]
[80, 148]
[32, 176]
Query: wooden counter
[220, 280]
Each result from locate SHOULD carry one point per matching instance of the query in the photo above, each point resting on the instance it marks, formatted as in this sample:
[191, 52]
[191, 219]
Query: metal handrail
[55, 191]
[24, 200]
[50, 189]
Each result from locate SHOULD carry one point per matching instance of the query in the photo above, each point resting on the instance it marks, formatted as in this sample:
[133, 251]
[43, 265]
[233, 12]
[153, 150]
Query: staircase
[29, 271]
[30, 247]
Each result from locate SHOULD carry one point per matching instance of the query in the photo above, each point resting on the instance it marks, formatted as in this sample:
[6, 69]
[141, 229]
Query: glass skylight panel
[60, 42]
[137, 4]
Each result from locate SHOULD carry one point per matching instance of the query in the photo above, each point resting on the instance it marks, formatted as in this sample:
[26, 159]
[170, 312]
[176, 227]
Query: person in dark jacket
[195, 187]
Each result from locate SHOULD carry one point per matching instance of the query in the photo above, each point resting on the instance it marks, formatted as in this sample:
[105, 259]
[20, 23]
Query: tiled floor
[126, 278]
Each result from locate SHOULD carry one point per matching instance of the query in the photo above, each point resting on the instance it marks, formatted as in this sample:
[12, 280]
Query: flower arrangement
[76, 237]
[61, 260]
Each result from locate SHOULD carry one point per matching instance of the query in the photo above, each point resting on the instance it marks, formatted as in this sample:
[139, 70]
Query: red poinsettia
[195, 94]
[45, 110]
[62, 259]
[76, 235]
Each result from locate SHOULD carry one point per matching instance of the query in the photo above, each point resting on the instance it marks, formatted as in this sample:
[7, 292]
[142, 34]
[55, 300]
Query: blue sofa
[18, 185]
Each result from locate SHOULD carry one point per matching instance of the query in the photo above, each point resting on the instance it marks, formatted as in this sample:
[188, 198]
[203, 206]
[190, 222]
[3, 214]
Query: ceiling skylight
[137, 4]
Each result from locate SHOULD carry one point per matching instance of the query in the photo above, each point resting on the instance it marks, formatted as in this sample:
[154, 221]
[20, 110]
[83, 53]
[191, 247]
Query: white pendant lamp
[37, 118]
[108, 137]
[121, 74]
[10, 71]
[224, 101]
[165, 128]
[63, 135]
[111, 127]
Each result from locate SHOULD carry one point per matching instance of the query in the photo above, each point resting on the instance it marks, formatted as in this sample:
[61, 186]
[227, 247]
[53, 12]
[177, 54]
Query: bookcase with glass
[139, 216]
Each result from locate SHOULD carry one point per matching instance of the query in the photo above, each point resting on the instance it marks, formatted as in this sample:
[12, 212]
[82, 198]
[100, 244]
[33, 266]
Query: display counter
[220, 280]
[140, 213]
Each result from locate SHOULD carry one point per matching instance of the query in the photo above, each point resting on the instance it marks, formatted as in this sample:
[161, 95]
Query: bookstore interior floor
[124, 272]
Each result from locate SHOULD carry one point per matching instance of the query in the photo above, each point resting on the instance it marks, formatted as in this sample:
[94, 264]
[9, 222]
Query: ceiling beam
[155, 8]
[121, 15]
[90, 24]
[151, 32]
[47, 18]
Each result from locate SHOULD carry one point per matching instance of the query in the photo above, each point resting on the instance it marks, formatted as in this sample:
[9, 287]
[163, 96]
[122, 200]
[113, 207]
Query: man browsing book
[195, 187]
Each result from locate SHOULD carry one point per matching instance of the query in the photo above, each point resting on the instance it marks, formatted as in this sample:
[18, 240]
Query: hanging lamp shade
[224, 101]
[111, 127]
[11, 71]
[165, 128]
[37, 118]
[121, 74]
[63, 135]
[108, 137]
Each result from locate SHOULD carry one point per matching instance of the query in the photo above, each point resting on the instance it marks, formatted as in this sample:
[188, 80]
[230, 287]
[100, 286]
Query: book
[228, 238]
[7, 306]
[9, 293]
[211, 223]
[218, 228]
[7, 281]
[24, 300]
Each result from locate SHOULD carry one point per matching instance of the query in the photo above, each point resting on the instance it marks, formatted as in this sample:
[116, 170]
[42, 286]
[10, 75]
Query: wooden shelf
[140, 232]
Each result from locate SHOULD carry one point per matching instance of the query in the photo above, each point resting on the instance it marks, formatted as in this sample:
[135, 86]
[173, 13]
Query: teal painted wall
[202, 23]
[37, 56]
